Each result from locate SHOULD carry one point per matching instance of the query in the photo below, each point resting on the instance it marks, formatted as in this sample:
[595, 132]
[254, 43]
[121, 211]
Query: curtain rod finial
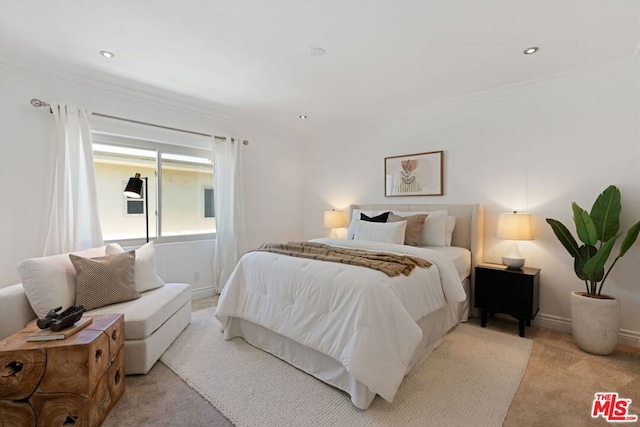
[37, 103]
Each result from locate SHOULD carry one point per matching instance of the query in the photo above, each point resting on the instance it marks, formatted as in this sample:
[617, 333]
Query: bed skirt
[434, 327]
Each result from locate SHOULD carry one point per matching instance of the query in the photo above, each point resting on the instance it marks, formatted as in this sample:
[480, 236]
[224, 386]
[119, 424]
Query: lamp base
[513, 259]
[513, 263]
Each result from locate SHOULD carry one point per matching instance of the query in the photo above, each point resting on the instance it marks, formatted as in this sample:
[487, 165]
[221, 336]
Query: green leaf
[605, 213]
[596, 263]
[564, 235]
[586, 253]
[584, 225]
[578, 267]
[630, 238]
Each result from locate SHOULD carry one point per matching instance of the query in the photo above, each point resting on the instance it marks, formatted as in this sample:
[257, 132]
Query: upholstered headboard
[467, 233]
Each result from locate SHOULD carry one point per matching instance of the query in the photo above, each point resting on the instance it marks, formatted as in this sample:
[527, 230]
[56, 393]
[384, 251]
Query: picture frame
[419, 174]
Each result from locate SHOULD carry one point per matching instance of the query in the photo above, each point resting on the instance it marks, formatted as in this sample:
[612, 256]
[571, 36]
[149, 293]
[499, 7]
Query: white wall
[533, 148]
[273, 165]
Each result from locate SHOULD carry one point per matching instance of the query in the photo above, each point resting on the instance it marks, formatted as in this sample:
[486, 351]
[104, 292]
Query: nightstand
[514, 292]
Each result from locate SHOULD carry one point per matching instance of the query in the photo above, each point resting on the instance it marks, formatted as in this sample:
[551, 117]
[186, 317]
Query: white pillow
[448, 232]
[146, 276]
[386, 232]
[433, 230]
[50, 282]
[355, 220]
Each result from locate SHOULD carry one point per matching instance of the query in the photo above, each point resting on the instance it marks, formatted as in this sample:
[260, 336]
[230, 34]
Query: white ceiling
[250, 59]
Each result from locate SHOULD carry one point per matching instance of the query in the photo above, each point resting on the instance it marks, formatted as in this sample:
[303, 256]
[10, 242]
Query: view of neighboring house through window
[182, 180]
[175, 193]
[207, 195]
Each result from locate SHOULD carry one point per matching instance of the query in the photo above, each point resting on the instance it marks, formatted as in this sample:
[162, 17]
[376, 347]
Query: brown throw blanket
[390, 264]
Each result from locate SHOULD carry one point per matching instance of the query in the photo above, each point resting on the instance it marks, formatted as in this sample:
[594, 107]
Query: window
[175, 177]
[134, 206]
[182, 180]
[207, 195]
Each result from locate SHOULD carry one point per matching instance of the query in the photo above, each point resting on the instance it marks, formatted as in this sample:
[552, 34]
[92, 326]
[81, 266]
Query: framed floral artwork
[414, 175]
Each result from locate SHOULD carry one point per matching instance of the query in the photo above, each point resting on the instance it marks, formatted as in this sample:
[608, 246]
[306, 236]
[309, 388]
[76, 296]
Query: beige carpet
[253, 388]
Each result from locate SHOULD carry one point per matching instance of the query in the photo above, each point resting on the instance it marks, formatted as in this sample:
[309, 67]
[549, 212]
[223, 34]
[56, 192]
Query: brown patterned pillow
[413, 231]
[105, 280]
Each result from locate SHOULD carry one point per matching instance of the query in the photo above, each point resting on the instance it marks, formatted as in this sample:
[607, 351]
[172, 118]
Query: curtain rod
[38, 103]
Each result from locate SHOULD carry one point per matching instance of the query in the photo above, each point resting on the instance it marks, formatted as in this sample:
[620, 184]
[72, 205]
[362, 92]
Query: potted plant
[595, 317]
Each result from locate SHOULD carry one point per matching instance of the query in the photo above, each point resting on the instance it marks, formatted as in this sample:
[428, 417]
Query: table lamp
[334, 219]
[514, 226]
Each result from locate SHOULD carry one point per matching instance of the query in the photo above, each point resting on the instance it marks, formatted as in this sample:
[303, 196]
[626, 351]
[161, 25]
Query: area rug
[469, 380]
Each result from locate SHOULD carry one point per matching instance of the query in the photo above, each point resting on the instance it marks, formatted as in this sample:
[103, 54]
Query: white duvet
[360, 317]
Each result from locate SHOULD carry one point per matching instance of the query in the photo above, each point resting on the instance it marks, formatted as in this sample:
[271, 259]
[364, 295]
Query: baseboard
[553, 322]
[625, 337]
[203, 292]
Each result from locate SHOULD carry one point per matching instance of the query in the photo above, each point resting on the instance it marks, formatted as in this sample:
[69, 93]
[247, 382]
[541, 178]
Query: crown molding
[481, 96]
[141, 92]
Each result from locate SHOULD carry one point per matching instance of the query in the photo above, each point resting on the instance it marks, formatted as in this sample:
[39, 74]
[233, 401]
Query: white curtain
[74, 223]
[231, 235]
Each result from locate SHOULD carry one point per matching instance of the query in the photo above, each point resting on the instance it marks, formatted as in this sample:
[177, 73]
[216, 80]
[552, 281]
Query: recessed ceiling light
[530, 50]
[107, 54]
[302, 116]
[317, 51]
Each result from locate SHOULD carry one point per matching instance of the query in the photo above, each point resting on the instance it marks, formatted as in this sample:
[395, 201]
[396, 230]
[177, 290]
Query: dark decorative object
[134, 190]
[383, 217]
[57, 322]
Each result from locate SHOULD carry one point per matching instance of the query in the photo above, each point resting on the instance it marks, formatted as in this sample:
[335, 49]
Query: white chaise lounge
[152, 322]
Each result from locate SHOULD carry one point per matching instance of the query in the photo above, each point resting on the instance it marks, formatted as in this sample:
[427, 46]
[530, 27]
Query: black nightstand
[514, 292]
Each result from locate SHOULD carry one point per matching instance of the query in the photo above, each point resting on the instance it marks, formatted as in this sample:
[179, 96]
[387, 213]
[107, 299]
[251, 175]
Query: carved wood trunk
[70, 382]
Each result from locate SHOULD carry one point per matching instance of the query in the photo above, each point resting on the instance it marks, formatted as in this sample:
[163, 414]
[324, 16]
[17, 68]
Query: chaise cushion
[50, 281]
[147, 313]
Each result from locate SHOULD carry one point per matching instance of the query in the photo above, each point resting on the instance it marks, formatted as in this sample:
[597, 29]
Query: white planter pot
[595, 323]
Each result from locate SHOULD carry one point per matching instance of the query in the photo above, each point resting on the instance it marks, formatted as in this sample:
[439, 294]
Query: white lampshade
[334, 219]
[514, 226]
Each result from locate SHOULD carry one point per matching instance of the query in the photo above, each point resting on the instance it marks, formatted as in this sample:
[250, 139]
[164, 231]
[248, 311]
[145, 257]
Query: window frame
[159, 148]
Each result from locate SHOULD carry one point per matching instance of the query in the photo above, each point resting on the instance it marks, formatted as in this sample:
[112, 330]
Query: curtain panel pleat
[74, 223]
[231, 237]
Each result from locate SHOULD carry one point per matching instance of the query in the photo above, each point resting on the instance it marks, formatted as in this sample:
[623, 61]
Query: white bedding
[461, 258]
[358, 316]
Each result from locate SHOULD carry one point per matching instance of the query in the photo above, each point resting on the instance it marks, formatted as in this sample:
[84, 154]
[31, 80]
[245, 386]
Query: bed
[351, 327]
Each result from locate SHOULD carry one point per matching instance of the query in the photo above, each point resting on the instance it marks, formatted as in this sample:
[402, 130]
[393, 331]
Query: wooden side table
[75, 381]
[502, 290]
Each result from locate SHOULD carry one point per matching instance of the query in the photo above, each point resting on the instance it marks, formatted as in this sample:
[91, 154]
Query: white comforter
[358, 316]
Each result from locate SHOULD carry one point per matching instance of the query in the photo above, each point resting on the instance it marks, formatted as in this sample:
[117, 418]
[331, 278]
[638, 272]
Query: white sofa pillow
[146, 276]
[387, 232]
[433, 230]
[448, 233]
[50, 282]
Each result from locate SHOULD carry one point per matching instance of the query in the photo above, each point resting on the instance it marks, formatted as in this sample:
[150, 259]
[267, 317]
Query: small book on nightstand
[49, 335]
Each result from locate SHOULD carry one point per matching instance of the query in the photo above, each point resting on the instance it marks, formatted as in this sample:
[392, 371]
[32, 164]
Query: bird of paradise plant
[598, 232]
